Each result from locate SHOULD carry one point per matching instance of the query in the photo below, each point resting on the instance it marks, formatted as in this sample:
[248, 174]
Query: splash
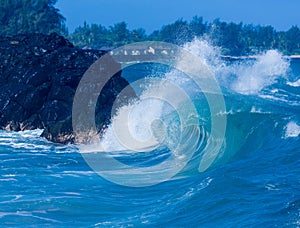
[264, 72]
[209, 54]
[153, 122]
[244, 77]
[148, 118]
[292, 130]
[137, 118]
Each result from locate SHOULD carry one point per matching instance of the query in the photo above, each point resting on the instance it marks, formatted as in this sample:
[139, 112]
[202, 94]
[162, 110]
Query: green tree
[216, 31]
[178, 32]
[138, 35]
[266, 37]
[120, 34]
[233, 39]
[30, 16]
[197, 26]
[249, 36]
[154, 35]
[292, 39]
[97, 36]
[94, 36]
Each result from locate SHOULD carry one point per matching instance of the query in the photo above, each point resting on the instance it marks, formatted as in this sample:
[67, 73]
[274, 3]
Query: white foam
[249, 78]
[244, 77]
[132, 125]
[263, 72]
[209, 54]
[294, 84]
[31, 141]
[25, 134]
[292, 130]
[139, 126]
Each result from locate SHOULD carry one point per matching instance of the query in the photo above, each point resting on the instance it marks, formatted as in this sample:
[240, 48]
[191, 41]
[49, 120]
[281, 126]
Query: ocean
[181, 173]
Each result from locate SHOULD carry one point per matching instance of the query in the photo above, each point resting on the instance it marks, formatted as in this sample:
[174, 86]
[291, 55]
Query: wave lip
[142, 126]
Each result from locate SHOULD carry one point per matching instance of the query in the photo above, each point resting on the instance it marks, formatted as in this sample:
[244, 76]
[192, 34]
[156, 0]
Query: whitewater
[165, 139]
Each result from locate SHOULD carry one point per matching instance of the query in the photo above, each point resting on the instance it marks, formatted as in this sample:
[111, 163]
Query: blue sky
[152, 14]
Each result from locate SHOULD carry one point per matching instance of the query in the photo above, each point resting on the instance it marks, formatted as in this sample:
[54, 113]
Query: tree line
[234, 39]
[32, 16]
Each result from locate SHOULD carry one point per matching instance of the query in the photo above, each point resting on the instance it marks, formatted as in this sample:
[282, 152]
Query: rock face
[39, 75]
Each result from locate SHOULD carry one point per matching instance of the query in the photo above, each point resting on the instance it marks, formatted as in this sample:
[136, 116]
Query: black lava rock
[39, 75]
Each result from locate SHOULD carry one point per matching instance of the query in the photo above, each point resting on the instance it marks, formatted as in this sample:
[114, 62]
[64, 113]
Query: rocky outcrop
[39, 75]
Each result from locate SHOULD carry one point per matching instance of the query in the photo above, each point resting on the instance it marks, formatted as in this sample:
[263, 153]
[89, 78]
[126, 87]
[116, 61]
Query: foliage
[234, 39]
[40, 16]
[30, 16]
[97, 36]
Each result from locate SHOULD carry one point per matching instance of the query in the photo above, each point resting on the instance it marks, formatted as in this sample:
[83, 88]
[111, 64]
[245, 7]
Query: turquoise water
[253, 183]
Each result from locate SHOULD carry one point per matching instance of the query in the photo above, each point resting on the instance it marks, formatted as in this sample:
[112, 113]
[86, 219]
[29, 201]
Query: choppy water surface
[254, 181]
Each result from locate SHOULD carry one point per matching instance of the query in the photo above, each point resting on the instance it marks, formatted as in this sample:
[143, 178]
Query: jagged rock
[39, 75]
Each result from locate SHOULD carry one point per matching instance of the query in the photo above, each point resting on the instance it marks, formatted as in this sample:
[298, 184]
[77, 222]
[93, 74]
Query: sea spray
[263, 72]
[245, 77]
